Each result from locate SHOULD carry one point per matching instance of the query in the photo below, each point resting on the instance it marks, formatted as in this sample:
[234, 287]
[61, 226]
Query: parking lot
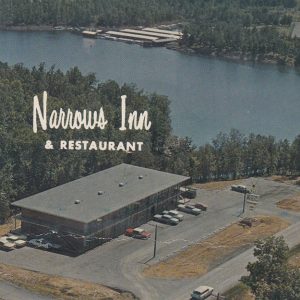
[119, 262]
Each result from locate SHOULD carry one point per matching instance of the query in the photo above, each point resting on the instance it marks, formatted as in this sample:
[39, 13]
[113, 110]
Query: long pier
[148, 37]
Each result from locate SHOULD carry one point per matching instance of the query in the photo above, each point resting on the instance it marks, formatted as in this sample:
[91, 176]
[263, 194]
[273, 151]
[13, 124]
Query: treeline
[26, 167]
[250, 43]
[249, 30]
[137, 12]
[86, 12]
[235, 155]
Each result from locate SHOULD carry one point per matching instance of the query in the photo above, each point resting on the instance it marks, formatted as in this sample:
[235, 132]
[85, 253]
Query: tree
[295, 154]
[271, 277]
[4, 208]
[6, 192]
[297, 60]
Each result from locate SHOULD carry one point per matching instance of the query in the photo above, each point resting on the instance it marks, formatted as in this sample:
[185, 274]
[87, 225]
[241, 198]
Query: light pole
[155, 241]
[244, 203]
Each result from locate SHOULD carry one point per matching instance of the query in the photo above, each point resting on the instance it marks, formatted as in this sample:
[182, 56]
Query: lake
[207, 95]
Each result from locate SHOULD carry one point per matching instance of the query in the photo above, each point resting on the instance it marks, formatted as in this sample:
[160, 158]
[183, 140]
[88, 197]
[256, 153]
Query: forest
[142, 12]
[26, 167]
[255, 30]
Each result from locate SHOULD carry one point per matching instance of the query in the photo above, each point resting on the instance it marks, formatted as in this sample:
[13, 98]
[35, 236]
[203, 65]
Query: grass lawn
[200, 258]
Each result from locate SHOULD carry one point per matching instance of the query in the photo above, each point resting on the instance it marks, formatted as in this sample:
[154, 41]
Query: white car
[173, 213]
[202, 292]
[189, 209]
[166, 219]
[42, 243]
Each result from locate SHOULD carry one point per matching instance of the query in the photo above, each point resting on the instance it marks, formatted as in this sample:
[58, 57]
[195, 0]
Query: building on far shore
[87, 212]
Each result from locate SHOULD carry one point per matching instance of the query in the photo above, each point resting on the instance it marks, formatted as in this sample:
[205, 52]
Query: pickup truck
[189, 209]
[166, 219]
[137, 233]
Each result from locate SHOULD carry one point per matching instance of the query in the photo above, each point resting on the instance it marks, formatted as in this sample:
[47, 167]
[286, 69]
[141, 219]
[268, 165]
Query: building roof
[148, 33]
[94, 196]
[172, 32]
[89, 32]
[131, 35]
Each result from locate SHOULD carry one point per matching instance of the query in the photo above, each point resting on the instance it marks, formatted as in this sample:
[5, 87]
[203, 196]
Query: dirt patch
[290, 203]
[216, 185]
[285, 179]
[295, 260]
[60, 287]
[198, 259]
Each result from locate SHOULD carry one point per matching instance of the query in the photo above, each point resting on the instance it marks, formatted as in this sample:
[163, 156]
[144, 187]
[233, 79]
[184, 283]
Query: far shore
[272, 59]
[27, 28]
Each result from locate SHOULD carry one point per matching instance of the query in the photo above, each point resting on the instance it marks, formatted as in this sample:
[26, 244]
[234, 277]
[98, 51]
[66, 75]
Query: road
[120, 262]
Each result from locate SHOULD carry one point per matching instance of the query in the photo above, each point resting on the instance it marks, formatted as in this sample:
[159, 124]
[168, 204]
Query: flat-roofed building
[89, 211]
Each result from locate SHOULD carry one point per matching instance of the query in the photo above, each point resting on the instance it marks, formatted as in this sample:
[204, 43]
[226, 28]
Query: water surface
[207, 95]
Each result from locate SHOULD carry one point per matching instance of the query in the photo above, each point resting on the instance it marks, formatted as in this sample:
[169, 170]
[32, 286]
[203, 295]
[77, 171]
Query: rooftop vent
[121, 184]
[100, 192]
[141, 176]
[77, 201]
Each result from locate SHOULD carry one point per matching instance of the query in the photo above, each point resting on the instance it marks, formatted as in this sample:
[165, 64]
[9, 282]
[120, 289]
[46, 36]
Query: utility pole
[155, 241]
[244, 204]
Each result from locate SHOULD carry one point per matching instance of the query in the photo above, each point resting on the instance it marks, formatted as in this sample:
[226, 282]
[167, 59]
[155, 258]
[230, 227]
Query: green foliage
[235, 155]
[297, 60]
[270, 277]
[27, 168]
[139, 12]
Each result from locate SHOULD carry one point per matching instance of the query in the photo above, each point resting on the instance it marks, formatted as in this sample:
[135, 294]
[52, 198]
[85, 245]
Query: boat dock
[148, 37]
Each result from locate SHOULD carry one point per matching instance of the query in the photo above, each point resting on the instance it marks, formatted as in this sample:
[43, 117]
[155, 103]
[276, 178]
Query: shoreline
[24, 28]
[236, 57]
[269, 59]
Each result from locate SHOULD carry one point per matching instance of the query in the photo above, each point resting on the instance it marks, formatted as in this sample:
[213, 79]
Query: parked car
[20, 243]
[138, 233]
[173, 213]
[189, 209]
[42, 243]
[7, 246]
[201, 206]
[166, 219]
[240, 188]
[202, 292]
[12, 238]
